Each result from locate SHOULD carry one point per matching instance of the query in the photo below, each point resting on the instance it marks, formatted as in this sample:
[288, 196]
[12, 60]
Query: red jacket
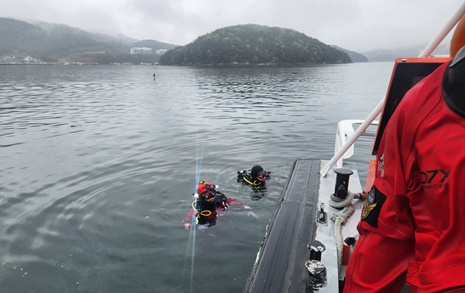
[413, 221]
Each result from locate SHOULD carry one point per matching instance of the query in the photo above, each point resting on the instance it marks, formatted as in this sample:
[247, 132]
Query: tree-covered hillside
[59, 41]
[254, 44]
[48, 41]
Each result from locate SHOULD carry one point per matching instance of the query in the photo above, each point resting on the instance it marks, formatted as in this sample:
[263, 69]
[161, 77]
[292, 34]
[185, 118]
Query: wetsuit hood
[255, 171]
[205, 187]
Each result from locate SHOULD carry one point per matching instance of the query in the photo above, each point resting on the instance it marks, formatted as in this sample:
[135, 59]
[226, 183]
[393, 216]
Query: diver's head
[453, 85]
[206, 189]
[258, 173]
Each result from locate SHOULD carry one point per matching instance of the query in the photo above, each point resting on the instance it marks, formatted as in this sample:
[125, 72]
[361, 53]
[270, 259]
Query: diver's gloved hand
[221, 201]
[225, 202]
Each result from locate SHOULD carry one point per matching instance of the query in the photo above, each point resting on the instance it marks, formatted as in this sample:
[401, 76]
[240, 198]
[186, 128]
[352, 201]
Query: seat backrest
[406, 73]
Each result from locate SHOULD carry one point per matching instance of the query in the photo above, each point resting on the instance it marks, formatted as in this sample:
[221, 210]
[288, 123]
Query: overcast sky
[358, 25]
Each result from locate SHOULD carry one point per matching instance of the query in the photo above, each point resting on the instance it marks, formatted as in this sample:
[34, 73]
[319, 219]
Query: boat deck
[280, 264]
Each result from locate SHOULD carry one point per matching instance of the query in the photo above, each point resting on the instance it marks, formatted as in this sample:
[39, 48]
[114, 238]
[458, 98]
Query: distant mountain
[243, 43]
[254, 44]
[354, 56]
[49, 41]
[391, 55]
[154, 45]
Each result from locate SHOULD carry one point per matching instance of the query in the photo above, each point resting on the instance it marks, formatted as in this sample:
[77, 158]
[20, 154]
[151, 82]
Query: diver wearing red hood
[208, 201]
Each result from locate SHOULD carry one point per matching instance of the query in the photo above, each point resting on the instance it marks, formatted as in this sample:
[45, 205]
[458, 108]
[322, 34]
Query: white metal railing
[444, 32]
[345, 130]
[351, 140]
[348, 145]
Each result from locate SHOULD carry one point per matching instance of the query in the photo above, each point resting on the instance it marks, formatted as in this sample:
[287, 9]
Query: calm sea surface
[98, 166]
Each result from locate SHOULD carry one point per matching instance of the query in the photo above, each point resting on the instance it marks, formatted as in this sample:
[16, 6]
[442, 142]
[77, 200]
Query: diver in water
[207, 202]
[256, 177]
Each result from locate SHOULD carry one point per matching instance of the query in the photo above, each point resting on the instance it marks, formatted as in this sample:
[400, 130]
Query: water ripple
[98, 166]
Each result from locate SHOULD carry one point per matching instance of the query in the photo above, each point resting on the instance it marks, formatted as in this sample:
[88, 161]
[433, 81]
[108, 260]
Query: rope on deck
[340, 218]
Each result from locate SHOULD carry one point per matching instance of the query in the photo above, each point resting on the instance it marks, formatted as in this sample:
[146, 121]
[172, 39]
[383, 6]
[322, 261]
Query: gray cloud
[358, 25]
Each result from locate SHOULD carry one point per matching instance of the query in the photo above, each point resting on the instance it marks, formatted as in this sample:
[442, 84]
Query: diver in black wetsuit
[207, 203]
[257, 177]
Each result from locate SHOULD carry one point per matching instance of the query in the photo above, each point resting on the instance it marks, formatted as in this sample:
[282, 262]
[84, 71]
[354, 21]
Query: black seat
[406, 73]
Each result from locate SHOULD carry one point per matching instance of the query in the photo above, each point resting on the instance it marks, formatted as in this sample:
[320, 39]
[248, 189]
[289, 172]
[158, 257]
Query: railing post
[353, 138]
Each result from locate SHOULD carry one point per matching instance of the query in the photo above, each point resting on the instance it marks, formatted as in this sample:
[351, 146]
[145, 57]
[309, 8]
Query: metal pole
[443, 33]
[425, 53]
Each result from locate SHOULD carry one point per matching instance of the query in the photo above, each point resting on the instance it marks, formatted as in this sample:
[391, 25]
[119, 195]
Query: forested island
[252, 44]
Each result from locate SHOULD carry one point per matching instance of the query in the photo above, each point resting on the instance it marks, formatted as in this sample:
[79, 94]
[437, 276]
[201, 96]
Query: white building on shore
[140, 50]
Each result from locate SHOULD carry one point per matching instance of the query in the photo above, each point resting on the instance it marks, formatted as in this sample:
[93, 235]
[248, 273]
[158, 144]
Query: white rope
[341, 204]
[339, 219]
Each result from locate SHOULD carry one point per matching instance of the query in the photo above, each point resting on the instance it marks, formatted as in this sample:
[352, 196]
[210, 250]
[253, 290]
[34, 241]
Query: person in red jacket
[413, 220]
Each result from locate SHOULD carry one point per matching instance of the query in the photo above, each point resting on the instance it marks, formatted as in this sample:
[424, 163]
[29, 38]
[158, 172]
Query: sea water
[99, 163]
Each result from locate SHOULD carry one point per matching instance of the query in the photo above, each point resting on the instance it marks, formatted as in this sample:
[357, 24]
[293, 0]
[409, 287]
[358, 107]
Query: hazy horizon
[356, 25]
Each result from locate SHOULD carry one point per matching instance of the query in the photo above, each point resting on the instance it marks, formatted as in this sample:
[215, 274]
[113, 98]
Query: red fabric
[204, 187]
[420, 233]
